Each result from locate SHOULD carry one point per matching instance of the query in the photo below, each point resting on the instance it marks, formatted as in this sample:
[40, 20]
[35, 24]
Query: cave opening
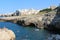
[32, 25]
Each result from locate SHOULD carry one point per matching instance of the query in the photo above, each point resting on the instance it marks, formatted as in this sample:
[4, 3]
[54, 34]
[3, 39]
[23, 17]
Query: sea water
[26, 33]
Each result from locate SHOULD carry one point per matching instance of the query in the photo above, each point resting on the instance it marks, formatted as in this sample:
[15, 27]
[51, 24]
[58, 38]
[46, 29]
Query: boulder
[6, 34]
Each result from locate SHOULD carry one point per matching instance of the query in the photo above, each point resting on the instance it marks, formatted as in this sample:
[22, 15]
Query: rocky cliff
[52, 21]
[49, 20]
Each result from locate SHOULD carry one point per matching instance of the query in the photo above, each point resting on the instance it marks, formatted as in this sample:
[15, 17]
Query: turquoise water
[26, 33]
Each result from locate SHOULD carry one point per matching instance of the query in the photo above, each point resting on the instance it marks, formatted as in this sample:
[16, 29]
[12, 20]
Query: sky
[7, 6]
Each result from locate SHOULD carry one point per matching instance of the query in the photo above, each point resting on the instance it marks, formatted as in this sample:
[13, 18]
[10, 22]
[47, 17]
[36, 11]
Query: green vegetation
[46, 10]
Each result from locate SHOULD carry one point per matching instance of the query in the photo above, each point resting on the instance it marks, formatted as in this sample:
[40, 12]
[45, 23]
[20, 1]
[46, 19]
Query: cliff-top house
[27, 12]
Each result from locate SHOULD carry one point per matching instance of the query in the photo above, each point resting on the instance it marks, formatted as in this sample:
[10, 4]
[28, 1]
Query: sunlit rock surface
[6, 34]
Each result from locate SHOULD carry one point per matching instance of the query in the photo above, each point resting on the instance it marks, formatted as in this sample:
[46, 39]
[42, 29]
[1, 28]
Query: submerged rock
[6, 34]
[54, 37]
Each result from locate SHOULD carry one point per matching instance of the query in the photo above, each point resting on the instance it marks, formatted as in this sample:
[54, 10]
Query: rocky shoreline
[40, 21]
[48, 20]
[31, 21]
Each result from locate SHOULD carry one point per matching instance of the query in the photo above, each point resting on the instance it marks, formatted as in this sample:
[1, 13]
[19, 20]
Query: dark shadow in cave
[32, 25]
[22, 23]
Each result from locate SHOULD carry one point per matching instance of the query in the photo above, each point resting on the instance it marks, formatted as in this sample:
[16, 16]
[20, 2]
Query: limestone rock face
[6, 34]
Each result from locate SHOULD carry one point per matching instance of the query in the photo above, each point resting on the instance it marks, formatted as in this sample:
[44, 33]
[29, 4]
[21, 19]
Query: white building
[28, 11]
[53, 7]
[21, 12]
